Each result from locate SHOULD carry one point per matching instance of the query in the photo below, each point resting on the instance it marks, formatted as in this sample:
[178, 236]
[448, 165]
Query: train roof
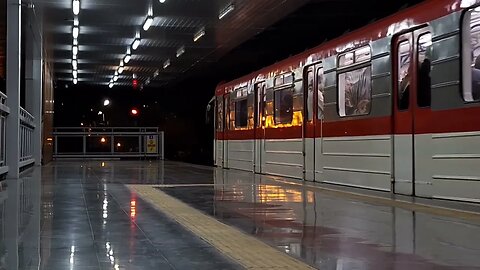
[413, 16]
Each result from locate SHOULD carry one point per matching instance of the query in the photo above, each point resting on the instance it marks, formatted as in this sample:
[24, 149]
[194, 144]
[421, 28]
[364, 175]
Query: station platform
[170, 215]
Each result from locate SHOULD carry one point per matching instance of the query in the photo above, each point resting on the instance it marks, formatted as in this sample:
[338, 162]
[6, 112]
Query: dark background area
[179, 108]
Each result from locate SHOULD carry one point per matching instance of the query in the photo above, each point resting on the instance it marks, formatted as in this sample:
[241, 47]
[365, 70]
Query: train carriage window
[241, 113]
[320, 89]
[354, 83]
[404, 76]
[283, 103]
[220, 114]
[310, 92]
[471, 55]
[424, 81]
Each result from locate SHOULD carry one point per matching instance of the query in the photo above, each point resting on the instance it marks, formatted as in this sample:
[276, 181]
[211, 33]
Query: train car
[393, 106]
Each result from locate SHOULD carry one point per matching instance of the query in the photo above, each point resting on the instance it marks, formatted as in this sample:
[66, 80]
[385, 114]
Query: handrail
[26, 118]
[4, 110]
[149, 142]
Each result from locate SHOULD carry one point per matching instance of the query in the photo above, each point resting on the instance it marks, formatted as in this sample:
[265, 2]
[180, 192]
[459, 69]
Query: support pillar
[14, 22]
[34, 83]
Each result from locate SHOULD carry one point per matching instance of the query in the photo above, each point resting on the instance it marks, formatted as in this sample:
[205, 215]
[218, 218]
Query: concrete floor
[81, 215]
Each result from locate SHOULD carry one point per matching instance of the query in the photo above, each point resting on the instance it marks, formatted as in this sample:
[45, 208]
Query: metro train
[393, 106]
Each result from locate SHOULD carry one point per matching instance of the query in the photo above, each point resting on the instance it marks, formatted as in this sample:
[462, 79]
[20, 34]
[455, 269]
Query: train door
[259, 130]
[219, 131]
[313, 116]
[411, 112]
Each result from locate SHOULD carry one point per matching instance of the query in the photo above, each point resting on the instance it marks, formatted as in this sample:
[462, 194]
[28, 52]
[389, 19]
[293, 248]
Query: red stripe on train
[427, 122]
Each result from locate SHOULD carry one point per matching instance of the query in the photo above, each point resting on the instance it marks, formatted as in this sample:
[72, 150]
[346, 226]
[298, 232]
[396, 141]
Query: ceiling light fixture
[74, 63]
[115, 78]
[199, 34]
[76, 7]
[75, 81]
[110, 85]
[166, 64]
[157, 72]
[75, 32]
[75, 41]
[127, 58]
[75, 74]
[135, 43]
[226, 11]
[162, 1]
[120, 70]
[180, 51]
[75, 50]
[148, 22]
[121, 63]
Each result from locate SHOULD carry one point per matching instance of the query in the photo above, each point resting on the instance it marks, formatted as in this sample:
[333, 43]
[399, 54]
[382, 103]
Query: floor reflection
[20, 222]
[333, 232]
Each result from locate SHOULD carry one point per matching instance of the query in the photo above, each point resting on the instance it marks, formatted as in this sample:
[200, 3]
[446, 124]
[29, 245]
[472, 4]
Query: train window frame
[344, 69]
[397, 80]
[466, 68]
[283, 83]
[239, 124]
[418, 64]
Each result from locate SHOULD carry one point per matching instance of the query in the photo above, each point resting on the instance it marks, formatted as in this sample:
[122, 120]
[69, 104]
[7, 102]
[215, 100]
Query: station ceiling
[107, 28]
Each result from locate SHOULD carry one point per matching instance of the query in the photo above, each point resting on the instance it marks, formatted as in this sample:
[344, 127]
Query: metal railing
[27, 126]
[102, 142]
[4, 111]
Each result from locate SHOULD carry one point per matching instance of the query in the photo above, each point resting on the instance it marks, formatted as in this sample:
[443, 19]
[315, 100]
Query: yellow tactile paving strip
[244, 249]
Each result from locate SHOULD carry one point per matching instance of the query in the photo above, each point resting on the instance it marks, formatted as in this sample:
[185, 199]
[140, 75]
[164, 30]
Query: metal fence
[27, 126]
[4, 111]
[115, 142]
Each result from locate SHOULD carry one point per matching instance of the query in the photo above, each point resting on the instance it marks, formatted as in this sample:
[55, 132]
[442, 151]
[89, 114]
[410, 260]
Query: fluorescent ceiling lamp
[75, 32]
[75, 50]
[162, 1]
[166, 64]
[147, 82]
[115, 78]
[76, 7]
[180, 51]
[75, 81]
[199, 34]
[75, 41]
[157, 72]
[121, 63]
[74, 56]
[148, 22]
[225, 11]
[136, 43]
[74, 63]
[75, 74]
[127, 58]
[110, 85]
[120, 70]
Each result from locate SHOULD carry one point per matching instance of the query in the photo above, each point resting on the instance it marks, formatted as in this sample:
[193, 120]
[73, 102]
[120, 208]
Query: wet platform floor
[80, 215]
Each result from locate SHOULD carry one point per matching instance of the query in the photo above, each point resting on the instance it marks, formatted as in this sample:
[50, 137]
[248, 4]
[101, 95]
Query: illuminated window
[471, 55]
[354, 82]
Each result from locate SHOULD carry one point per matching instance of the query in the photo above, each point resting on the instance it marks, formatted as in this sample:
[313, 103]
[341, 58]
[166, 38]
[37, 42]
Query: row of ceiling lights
[75, 34]
[180, 51]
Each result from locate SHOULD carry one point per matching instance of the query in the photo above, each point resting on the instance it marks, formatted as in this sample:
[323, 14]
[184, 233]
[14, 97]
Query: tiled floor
[80, 215]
